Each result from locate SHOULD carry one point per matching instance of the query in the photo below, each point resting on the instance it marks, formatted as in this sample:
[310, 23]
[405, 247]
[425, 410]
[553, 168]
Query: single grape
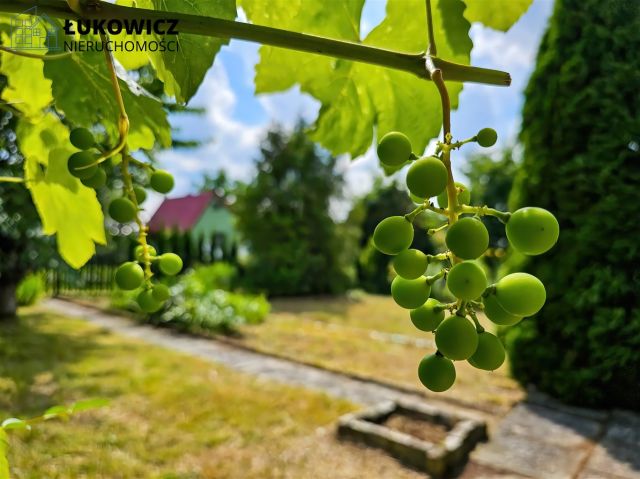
[170, 264]
[466, 280]
[81, 165]
[139, 252]
[497, 313]
[532, 230]
[428, 316]
[410, 293]
[487, 137]
[456, 338]
[393, 235]
[161, 181]
[140, 193]
[98, 180]
[427, 177]
[82, 138]
[490, 353]
[464, 196]
[129, 276]
[160, 292]
[436, 373]
[521, 294]
[410, 263]
[122, 210]
[394, 149]
[467, 238]
[147, 302]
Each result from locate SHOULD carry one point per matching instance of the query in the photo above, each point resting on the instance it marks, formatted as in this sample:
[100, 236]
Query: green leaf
[14, 423]
[355, 97]
[183, 71]
[89, 404]
[56, 411]
[82, 91]
[496, 14]
[455, 26]
[66, 207]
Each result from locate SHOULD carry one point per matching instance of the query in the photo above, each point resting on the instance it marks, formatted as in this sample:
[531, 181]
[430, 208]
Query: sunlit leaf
[89, 404]
[496, 14]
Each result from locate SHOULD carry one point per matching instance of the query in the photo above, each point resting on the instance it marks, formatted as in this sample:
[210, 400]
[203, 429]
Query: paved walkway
[537, 439]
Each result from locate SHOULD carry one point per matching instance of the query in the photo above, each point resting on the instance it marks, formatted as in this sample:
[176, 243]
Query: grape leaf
[82, 91]
[182, 71]
[496, 14]
[66, 207]
[357, 97]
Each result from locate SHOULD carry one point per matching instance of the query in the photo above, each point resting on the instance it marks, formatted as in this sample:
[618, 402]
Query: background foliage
[580, 131]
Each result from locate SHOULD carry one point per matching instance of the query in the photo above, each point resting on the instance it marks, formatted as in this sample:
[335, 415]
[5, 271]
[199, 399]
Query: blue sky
[236, 119]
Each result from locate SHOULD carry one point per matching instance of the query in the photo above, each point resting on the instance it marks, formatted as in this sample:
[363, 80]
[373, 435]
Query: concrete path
[539, 438]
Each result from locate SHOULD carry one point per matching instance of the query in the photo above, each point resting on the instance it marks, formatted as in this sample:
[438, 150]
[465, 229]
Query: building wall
[215, 220]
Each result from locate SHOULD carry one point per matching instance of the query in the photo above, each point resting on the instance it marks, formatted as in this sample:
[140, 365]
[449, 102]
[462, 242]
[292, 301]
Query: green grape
[161, 181]
[82, 138]
[521, 294]
[487, 137]
[532, 231]
[456, 338]
[416, 199]
[139, 252]
[140, 193]
[147, 302]
[497, 314]
[410, 263]
[81, 165]
[428, 316]
[122, 210]
[129, 276]
[170, 264]
[427, 177]
[410, 293]
[160, 292]
[490, 353]
[393, 235]
[394, 149]
[436, 373]
[467, 238]
[98, 180]
[466, 280]
[464, 196]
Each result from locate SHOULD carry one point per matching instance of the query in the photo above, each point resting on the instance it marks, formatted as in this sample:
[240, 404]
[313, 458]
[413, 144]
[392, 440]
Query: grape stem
[438, 80]
[438, 257]
[11, 179]
[437, 276]
[424, 206]
[484, 211]
[432, 231]
[479, 327]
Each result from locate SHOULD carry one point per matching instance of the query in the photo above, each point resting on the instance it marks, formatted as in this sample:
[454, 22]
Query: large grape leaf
[496, 14]
[182, 71]
[356, 97]
[82, 91]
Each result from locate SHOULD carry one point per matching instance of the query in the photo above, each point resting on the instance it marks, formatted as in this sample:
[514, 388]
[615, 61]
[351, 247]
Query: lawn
[171, 416]
[336, 333]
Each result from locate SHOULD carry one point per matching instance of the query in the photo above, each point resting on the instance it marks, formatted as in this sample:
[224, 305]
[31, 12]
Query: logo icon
[30, 31]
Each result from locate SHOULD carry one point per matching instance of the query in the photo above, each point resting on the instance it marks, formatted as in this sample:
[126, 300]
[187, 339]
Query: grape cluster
[460, 336]
[131, 275]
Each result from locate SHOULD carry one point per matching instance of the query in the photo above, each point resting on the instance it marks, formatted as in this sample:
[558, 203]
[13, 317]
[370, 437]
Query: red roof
[180, 213]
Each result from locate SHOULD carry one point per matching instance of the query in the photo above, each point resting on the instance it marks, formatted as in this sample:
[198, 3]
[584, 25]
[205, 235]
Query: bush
[580, 129]
[31, 289]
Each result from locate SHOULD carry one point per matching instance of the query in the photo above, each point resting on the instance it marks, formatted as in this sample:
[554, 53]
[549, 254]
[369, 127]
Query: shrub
[31, 289]
[580, 134]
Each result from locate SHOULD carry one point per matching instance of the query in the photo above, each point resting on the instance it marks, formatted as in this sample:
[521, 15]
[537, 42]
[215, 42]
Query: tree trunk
[8, 302]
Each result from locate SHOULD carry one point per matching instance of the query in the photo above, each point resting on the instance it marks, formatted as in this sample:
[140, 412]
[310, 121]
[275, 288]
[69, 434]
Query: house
[204, 216]
[30, 31]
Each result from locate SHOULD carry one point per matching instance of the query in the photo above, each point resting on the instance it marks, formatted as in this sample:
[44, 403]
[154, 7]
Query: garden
[286, 240]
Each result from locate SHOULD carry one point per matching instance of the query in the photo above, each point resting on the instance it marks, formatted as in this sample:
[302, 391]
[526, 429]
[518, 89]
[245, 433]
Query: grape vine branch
[216, 27]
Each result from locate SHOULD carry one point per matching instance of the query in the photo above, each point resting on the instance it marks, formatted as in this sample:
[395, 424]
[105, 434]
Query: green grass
[335, 333]
[171, 416]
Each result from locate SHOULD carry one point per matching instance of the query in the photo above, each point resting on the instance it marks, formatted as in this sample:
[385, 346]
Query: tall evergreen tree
[581, 130]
